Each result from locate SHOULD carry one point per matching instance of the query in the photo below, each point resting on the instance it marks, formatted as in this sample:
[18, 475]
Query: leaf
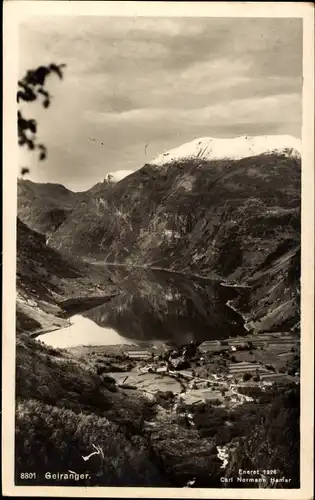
[46, 94]
[32, 126]
[30, 88]
[27, 95]
[56, 69]
[39, 75]
[43, 152]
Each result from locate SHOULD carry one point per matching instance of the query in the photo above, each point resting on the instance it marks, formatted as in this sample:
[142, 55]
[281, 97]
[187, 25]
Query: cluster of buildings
[278, 342]
[214, 385]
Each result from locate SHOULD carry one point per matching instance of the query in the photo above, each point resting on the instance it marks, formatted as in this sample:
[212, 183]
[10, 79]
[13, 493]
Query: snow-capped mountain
[210, 148]
[238, 219]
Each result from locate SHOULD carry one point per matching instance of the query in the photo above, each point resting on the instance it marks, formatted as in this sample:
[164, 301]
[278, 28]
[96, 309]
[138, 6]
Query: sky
[135, 87]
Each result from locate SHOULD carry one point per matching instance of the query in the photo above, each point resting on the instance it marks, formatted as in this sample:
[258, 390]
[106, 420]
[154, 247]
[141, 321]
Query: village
[221, 372]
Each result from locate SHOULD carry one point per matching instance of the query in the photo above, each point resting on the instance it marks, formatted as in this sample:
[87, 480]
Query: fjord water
[154, 306]
[82, 331]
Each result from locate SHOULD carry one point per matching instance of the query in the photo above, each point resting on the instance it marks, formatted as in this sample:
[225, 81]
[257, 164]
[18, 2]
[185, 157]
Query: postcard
[158, 257]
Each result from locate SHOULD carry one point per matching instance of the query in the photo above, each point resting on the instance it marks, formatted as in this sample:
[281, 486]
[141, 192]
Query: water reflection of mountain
[156, 305]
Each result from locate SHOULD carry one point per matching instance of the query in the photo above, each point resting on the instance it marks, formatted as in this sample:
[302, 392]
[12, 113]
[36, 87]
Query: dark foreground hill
[67, 410]
[64, 409]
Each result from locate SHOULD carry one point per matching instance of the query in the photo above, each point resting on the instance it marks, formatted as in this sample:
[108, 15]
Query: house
[243, 366]
[161, 369]
[140, 354]
[209, 346]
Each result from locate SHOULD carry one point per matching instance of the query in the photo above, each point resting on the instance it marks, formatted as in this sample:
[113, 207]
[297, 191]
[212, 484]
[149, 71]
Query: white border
[14, 13]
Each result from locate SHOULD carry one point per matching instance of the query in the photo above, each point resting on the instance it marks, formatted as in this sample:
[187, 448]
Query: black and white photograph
[158, 331]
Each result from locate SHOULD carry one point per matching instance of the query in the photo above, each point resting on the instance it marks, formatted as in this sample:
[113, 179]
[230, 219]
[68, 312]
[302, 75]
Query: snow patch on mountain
[118, 175]
[210, 148]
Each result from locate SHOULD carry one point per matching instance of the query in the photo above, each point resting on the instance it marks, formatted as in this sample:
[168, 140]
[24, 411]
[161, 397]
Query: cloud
[252, 108]
[132, 81]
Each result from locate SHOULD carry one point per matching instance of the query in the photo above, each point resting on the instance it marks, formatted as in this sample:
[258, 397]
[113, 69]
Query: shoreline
[88, 302]
[157, 268]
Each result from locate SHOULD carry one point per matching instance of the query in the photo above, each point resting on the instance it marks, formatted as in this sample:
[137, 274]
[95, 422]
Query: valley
[162, 313]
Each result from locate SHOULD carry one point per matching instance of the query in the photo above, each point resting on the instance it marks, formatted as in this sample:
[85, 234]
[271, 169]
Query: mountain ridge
[210, 148]
[239, 218]
[45, 206]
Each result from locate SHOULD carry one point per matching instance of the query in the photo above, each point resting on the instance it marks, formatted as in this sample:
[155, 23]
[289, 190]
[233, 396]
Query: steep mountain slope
[191, 215]
[44, 278]
[273, 300]
[43, 207]
[228, 216]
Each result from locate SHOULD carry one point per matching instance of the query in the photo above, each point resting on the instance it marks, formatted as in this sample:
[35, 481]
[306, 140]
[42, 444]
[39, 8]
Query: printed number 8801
[28, 475]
